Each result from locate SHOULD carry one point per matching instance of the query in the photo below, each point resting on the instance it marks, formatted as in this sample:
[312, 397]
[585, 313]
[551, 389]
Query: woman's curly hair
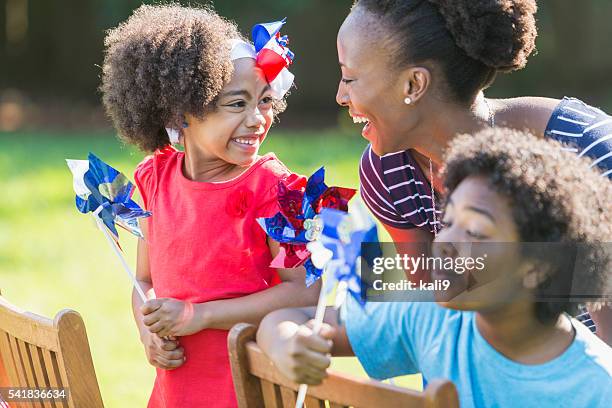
[469, 40]
[555, 197]
[162, 62]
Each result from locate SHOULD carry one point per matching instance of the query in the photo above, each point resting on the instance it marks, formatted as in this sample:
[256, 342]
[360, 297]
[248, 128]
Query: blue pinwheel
[339, 250]
[107, 193]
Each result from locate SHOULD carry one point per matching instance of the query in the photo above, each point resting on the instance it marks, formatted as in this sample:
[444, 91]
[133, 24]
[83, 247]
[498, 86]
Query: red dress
[205, 244]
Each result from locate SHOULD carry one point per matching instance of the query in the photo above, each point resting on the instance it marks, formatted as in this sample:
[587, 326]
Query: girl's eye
[237, 104]
[266, 100]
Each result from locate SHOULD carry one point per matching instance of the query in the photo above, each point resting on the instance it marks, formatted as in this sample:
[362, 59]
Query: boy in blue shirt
[503, 347]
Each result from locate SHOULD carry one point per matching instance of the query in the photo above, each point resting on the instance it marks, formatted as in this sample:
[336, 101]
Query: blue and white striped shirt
[398, 192]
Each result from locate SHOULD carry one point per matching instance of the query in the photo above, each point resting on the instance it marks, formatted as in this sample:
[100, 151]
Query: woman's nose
[342, 97]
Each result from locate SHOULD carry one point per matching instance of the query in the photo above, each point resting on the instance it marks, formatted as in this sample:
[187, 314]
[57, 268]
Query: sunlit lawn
[52, 257]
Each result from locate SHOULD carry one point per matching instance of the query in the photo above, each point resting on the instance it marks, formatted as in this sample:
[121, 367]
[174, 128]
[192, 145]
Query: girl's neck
[199, 167]
[515, 332]
[436, 131]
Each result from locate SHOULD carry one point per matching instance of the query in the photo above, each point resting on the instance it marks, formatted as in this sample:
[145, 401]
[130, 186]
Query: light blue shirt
[393, 338]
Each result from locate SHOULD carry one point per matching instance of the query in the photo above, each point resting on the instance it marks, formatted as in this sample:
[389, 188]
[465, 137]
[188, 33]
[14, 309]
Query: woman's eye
[266, 100]
[347, 81]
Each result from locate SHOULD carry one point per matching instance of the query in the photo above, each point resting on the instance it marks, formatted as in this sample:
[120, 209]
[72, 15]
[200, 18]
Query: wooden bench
[37, 352]
[259, 384]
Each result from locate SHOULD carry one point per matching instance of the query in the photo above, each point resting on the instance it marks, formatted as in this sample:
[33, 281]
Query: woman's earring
[408, 101]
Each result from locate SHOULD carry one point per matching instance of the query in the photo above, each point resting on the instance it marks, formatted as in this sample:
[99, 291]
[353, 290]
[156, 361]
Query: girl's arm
[162, 353]
[291, 292]
[173, 317]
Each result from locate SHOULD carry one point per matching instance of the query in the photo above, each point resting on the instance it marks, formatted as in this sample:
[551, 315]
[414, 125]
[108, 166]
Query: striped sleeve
[375, 193]
[587, 131]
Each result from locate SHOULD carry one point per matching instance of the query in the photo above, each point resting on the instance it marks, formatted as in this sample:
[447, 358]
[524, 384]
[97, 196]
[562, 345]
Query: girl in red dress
[172, 72]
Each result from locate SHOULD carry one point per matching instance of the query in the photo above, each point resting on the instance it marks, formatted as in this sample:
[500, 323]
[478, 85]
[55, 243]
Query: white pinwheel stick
[113, 244]
[316, 328]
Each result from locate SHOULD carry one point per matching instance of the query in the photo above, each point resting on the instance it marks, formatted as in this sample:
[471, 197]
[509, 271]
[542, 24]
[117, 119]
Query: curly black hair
[162, 62]
[470, 40]
[555, 195]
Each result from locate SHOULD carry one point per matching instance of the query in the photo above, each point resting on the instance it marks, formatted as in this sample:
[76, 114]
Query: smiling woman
[415, 72]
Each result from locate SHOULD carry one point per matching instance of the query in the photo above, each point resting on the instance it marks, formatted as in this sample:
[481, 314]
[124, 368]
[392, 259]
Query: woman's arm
[177, 318]
[603, 321]
[412, 235]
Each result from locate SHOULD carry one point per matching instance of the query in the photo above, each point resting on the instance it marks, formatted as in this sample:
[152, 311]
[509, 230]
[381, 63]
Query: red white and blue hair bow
[270, 53]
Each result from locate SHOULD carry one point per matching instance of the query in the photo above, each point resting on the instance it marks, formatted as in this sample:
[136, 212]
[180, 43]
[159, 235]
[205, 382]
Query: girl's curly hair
[162, 62]
[555, 197]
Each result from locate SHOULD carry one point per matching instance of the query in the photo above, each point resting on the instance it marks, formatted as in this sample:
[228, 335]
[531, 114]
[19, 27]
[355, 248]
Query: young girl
[187, 70]
[507, 347]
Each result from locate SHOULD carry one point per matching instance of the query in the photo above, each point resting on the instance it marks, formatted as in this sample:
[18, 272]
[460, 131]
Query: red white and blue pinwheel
[299, 223]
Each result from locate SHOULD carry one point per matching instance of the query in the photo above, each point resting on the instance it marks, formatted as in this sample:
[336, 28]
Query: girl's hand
[304, 357]
[170, 317]
[161, 353]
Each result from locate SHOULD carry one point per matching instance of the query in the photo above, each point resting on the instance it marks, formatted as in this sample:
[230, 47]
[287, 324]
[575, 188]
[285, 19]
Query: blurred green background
[52, 257]
[50, 52]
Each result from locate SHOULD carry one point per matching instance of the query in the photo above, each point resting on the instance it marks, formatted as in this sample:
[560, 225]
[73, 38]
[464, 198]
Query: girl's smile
[226, 140]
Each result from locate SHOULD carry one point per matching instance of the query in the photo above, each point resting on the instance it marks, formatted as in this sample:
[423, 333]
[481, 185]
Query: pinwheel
[298, 222]
[338, 252]
[107, 195]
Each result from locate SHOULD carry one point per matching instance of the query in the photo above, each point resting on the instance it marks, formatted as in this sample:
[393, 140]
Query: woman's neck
[436, 131]
[515, 332]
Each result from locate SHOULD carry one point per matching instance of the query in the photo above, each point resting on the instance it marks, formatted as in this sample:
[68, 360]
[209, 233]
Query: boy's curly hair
[163, 62]
[555, 197]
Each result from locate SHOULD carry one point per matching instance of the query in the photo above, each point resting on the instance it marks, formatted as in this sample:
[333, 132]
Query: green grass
[52, 257]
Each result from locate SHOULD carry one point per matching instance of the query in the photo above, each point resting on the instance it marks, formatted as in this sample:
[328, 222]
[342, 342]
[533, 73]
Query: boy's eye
[476, 235]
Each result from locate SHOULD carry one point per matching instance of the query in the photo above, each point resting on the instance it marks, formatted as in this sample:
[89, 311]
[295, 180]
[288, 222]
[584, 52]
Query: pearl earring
[408, 101]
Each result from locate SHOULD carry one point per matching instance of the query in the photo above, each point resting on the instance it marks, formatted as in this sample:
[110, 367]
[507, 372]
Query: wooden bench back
[259, 384]
[37, 352]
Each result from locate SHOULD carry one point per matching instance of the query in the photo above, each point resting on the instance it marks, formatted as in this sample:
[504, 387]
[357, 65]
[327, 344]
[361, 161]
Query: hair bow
[270, 53]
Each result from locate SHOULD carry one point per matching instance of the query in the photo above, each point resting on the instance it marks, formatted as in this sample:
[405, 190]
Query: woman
[415, 71]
